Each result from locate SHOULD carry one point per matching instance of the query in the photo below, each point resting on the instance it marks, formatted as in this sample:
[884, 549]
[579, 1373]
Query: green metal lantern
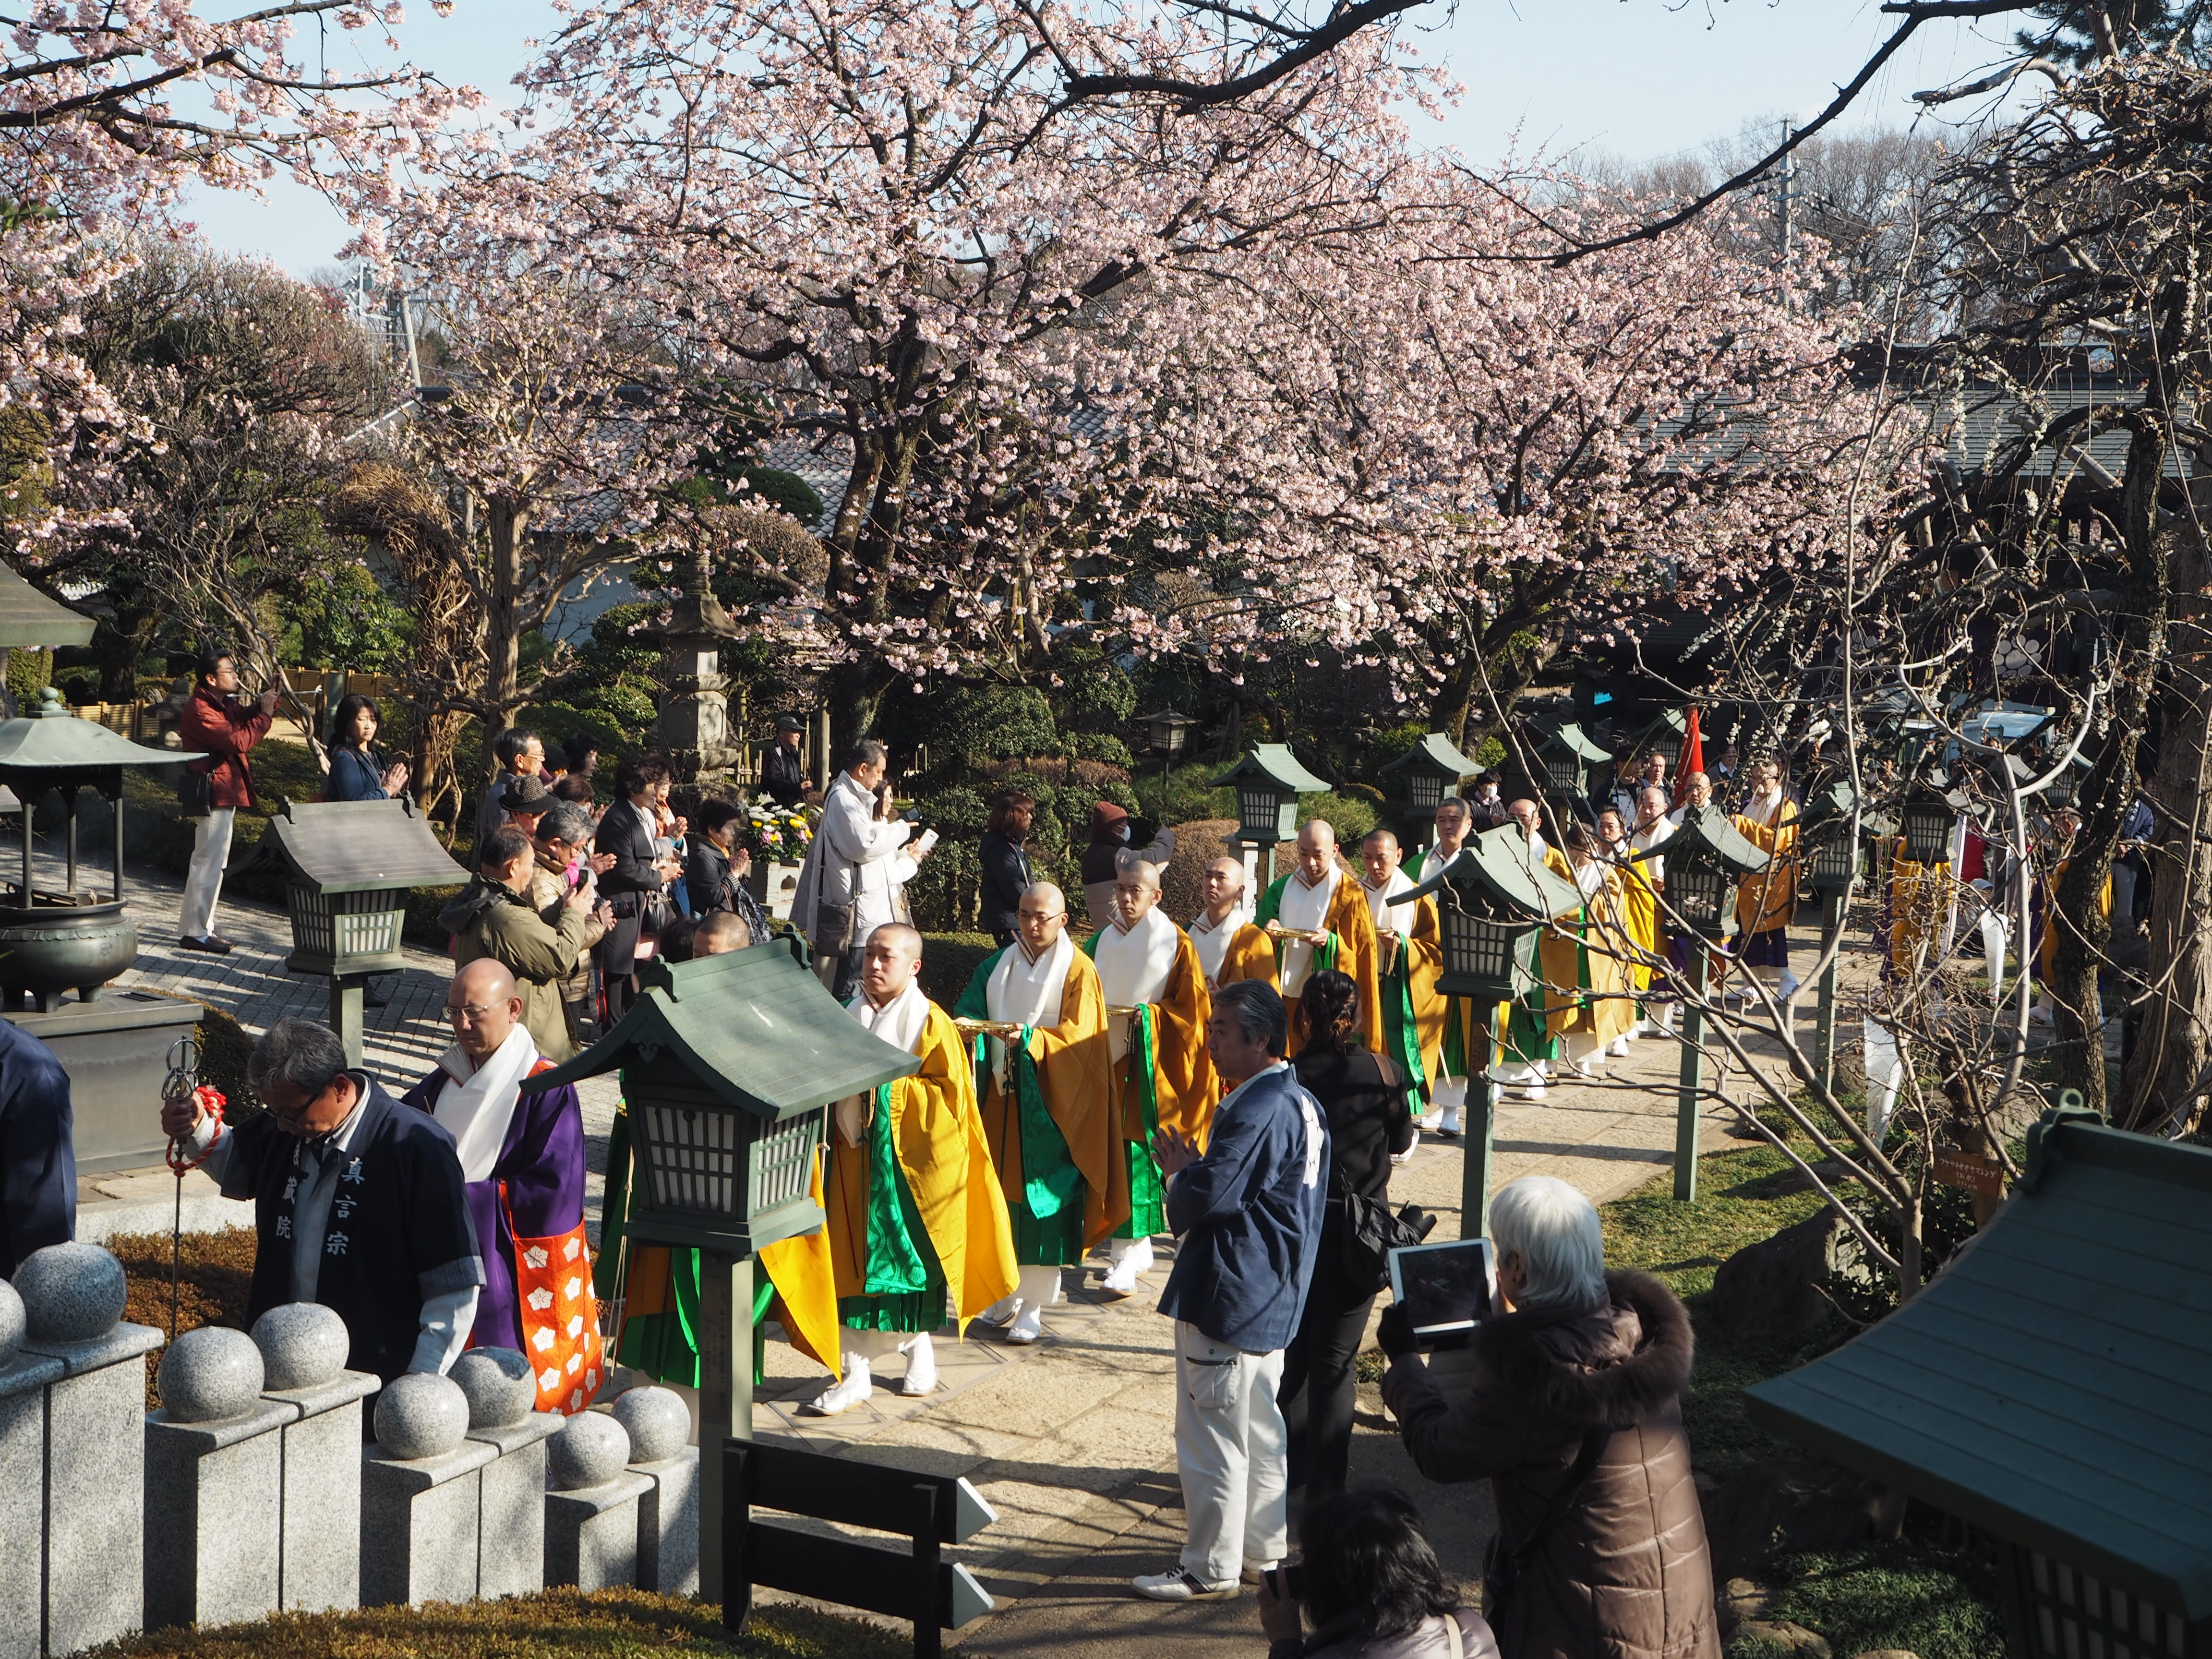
[1492, 903]
[1927, 821]
[1832, 853]
[1566, 755]
[729, 1066]
[1666, 736]
[1268, 782]
[1704, 859]
[1424, 774]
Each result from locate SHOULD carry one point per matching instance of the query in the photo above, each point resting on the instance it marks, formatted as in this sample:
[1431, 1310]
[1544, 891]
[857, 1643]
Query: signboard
[1973, 1171]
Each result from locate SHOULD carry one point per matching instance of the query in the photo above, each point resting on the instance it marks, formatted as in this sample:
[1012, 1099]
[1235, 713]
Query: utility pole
[1788, 194]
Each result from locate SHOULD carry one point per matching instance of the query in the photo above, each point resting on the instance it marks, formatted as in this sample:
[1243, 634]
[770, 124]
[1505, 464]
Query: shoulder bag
[1370, 1230]
[1501, 1572]
[194, 796]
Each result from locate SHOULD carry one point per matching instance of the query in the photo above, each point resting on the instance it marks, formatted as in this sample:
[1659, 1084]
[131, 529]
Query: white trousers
[1233, 1450]
[203, 885]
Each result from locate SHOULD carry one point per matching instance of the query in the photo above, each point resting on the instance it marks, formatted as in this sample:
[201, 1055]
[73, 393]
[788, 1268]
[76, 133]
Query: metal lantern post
[1431, 769]
[1832, 868]
[348, 867]
[1165, 734]
[1927, 821]
[729, 1065]
[1492, 902]
[1268, 782]
[1705, 857]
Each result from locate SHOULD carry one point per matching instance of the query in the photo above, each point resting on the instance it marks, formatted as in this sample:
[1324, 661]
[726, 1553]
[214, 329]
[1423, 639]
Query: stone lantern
[694, 728]
[348, 866]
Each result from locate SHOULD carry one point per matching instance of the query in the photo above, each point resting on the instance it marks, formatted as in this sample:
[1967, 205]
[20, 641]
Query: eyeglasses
[468, 1013]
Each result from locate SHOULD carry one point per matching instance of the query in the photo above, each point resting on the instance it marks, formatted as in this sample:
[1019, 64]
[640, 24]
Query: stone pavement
[1072, 1440]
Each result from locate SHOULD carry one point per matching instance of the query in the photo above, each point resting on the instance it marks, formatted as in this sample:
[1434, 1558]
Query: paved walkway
[1070, 1440]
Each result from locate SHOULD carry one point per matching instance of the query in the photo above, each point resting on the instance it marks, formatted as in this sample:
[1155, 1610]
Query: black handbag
[194, 799]
[1370, 1230]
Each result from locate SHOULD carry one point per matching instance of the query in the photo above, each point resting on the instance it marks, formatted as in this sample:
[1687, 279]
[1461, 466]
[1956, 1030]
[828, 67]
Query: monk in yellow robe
[1157, 1006]
[1766, 900]
[1641, 879]
[1048, 1103]
[1319, 895]
[1605, 1010]
[915, 1213]
[1464, 1043]
[1228, 946]
[1409, 940]
[1534, 1027]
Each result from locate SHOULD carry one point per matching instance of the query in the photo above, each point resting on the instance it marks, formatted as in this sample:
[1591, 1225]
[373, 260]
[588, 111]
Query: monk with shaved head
[914, 1147]
[522, 1156]
[1054, 1137]
[1229, 948]
[1320, 896]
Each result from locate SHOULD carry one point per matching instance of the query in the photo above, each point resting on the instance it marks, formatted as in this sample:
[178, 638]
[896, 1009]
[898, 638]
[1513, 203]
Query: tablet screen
[1446, 1288]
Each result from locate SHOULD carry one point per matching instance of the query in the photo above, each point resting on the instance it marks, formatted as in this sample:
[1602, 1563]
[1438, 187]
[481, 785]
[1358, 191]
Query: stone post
[96, 1444]
[23, 1380]
[303, 1350]
[660, 1427]
[501, 1390]
[419, 1495]
[214, 1456]
[591, 1516]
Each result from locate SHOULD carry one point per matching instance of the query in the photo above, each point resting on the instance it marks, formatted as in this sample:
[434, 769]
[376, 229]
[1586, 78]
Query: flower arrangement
[777, 835]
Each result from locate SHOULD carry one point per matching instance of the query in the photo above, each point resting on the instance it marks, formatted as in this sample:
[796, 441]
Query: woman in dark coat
[1581, 1357]
[1362, 1095]
[358, 771]
[1007, 873]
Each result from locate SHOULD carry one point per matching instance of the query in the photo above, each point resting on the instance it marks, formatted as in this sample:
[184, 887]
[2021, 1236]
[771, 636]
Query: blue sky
[1638, 79]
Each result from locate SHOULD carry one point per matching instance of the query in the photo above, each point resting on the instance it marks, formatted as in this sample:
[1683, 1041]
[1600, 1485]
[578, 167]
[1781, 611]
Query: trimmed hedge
[949, 961]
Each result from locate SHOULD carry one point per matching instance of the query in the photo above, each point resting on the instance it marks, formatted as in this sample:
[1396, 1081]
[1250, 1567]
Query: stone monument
[511, 1506]
[419, 1495]
[660, 1428]
[23, 1380]
[214, 1459]
[592, 1514]
[92, 1474]
[303, 1353]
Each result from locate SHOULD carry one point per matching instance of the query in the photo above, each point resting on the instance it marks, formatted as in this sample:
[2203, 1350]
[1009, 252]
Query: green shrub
[1186, 794]
[949, 961]
[29, 672]
[1351, 816]
[1101, 746]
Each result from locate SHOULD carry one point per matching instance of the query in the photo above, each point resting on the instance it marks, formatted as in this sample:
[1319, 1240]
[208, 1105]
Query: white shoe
[1130, 1256]
[1405, 1156]
[1177, 1585]
[920, 1377]
[2040, 1014]
[1536, 1091]
[1000, 1312]
[843, 1396]
[1790, 984]
[1451, 1125]
[1620, 1047]
[1028, 1326]
[1585, 1068]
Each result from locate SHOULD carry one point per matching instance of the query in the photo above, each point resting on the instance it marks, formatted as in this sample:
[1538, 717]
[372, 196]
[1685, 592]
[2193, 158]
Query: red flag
[1693, 757]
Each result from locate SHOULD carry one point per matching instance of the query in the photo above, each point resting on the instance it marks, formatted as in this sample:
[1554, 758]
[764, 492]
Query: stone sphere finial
[591, 1450]
[657, 1422]
[421, 1415]
[302, 1344]
[499, 1385]
[71, 1293]
[208, 1374]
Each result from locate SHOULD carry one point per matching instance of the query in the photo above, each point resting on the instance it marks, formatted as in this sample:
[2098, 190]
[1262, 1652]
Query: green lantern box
[1703, 858]
[1431, 769]
[1268, 782]
[1566, 754]
[1492, 902]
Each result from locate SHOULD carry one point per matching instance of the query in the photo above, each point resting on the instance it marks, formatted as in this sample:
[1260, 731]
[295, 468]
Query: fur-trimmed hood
[1616, 1364]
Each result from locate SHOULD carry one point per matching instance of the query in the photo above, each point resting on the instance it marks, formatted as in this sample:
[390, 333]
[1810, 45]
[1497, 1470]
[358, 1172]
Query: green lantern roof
[355, 846]
[1274, 763]
[1825, 808]
[55, 740]
[1569, 735]
[2048, 1385]
[1499, 863]
[751, 1026]
[1711, 829]
[28, 617]
[1435, 753]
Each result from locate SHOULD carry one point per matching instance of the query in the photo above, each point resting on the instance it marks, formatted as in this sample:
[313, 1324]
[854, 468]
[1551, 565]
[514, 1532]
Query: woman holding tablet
[1574, 1415]
[1365, 1098]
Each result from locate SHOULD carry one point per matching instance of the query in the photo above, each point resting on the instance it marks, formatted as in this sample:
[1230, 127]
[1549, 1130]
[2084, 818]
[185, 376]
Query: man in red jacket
[224, 732]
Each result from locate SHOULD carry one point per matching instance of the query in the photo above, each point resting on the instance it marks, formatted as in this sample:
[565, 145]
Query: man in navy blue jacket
[1247, 1218]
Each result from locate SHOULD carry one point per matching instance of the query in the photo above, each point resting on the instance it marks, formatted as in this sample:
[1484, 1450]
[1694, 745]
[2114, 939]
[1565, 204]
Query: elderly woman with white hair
[1574, 1415]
